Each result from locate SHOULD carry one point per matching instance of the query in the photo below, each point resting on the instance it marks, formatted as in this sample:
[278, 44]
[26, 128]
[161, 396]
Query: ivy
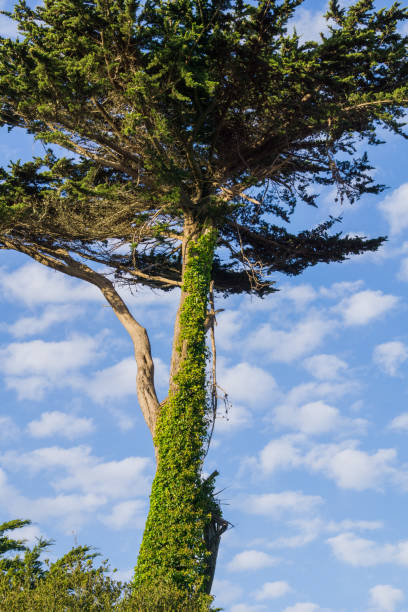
[181, 504]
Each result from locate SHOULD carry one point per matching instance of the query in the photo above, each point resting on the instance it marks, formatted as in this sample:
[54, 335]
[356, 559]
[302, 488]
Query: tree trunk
[182, 532]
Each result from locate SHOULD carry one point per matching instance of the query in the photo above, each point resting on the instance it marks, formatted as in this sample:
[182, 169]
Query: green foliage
[181, 505]
[73, 582]
[179, 108]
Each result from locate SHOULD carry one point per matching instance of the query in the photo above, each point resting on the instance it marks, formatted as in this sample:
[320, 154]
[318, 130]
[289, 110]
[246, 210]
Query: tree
[194, 129]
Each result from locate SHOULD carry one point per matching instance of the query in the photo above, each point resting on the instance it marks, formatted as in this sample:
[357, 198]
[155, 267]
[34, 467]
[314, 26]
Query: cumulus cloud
[229, 323]
[8, 429]
[59, 423]
[29, 533]
[385, 597]
[246, 383]
[51, 358]
[130, 513]
[274, 505]
[236, 417]
[309, 25]
[306, 530]
[34, 284]
[312, 418]
[29, 326]
[85, 472]
[31, 367]
[272, 590]
[242, 607]
[325, 367]
[348, 466]
[251, 560]
[339, 290]
[361, 552]
[366, 306]
[303, 607]
[300, 295]
[8, 27]
[287, 346]
[71, 510]
[400, 422]
[389, 356]
[111, 383]
[403, 270]
[226, 592]
[395, 209]
[280, 453]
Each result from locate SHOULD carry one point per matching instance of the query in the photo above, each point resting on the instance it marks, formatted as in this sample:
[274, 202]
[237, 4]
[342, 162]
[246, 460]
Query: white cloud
[280, 453]
[242, 607]
[51, 358]
[365, 306]
[246, 383]
[229, 323]
[306, 530]
[400, 422]
[161, 373]
[344, 463]
[30, 368]
[272, 590]
[303, 607]
[312, 418]
[8, 27]
[85, 472]
[114, 382]
[60, 423]
[324, 367]
[395, 209]
[124, 421]
[226, 592]
[385, 597]
[8, 429]
[351, 468]
[30, 534]
[339, 290]
[277, 504]
[130, 513]
[235, 418]
[286, 346]
[309, 24]
[361, 552]
[403, 270]
[314, 391]
[389, 356]
[33, 284]
[70, 510]
[251, 560]
[29, 326]
[300, 295]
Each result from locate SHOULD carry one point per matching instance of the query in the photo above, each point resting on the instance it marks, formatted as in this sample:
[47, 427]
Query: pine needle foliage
[207, 108]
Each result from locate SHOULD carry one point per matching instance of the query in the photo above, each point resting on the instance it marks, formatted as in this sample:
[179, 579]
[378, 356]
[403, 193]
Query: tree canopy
[209, 109]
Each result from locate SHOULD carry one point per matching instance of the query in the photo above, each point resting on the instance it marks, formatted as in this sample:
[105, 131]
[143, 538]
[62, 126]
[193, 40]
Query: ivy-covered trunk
[182, 527]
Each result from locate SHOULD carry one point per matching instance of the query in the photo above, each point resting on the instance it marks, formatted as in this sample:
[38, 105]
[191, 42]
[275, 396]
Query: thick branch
[63, 262]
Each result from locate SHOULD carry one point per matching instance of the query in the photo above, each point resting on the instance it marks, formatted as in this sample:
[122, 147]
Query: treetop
[213, 111]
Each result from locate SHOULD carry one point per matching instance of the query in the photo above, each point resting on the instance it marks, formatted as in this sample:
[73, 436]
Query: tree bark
[184, 525]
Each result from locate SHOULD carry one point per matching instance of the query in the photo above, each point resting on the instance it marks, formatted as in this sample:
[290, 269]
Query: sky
[312, 449]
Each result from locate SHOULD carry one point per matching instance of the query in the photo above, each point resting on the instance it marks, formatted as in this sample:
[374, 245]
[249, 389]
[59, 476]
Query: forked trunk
[184, 524]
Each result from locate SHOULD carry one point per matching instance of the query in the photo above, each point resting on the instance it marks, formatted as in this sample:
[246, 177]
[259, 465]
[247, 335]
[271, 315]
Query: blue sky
[313, 452]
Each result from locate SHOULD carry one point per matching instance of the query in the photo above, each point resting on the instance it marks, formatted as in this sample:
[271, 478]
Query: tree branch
[63, 262]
